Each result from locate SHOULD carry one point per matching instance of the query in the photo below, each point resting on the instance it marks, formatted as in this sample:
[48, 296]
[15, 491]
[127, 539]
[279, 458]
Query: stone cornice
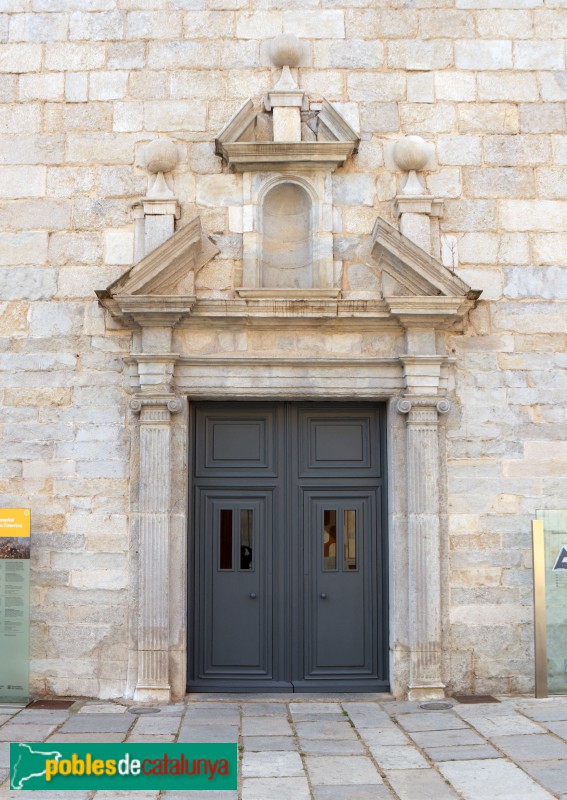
[137, 311]
[427, 311]
[286, 156]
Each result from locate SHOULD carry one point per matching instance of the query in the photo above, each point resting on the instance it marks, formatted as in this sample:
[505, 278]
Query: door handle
[252, 595]
[323, 596]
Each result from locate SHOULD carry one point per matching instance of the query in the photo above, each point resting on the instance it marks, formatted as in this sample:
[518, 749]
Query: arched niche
[286, 255]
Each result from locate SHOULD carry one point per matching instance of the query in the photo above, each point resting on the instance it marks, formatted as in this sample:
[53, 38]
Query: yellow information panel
[15, 528]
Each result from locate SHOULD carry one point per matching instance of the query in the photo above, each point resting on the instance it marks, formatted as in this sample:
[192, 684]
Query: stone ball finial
[160, 156]
[411, 153]
[285, 50]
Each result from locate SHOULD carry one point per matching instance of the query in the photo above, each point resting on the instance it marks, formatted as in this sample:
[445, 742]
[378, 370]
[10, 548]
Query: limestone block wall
[84, 84]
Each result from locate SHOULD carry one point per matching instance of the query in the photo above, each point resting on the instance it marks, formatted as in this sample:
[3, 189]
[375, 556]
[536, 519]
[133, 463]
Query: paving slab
[40, 717]
[398, 757]
[384, 736]
[6, 794]
[530, 747]
[559, 728]
[259, 743]
[415, 784]
[185, 795]
[431, 721]
[462, 752]
[341, 770]
[325, 730]
[395, 707]
[4, 754]
[98, 723]
[156, 738]
[459, 736]
[547, 713]
[331, 747]
[13, 732]
[367, 715]
[551, 774]
[264, 710]
[121, 795]
[208, 733]
[371, 792]
[495, 779]
[84, 738]
[266, 726]
[505, 725]
[299, 709]
[213, 716]
[274, 789]
[145, 725]
[271, 764]
[102, 708]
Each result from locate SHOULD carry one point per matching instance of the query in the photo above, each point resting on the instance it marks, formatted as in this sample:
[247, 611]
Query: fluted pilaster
[424, 573]
[153, 531]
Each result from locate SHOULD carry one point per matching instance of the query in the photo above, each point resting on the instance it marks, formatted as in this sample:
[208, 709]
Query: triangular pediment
[414, 272]
[169, 269]
[246, 141]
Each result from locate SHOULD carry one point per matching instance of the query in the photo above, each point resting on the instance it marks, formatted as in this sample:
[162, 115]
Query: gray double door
[288, 552]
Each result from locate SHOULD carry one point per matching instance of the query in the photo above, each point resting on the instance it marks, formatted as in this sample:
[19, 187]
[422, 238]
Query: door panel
[236, 599]
[289, 559]
[339, 633]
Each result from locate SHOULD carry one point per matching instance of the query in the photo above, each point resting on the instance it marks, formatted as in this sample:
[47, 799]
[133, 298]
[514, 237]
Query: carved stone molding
[407, 404]
[169, 403]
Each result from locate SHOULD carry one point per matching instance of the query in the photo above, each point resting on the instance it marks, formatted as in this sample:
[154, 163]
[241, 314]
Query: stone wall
[86, 83]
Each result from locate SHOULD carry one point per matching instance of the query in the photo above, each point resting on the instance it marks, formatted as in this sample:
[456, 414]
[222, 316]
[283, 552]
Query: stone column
[424, 551]
[152, 526]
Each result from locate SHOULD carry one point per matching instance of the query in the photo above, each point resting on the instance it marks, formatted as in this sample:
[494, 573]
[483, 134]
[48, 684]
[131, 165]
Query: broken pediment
[417, 287]
[163, 282]
[414, 270]
[290, 134]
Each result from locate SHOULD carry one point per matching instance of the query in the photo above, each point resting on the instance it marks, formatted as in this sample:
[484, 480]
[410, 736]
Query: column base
[152, 694]
[423, 693]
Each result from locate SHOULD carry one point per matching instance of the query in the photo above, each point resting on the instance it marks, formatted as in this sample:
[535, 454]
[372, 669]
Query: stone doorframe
[413, 381]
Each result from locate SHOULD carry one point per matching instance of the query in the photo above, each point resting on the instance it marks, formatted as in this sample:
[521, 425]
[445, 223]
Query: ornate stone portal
[290, 282]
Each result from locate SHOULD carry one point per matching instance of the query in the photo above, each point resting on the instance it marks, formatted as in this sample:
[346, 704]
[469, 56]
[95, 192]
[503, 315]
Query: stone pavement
[344, 747]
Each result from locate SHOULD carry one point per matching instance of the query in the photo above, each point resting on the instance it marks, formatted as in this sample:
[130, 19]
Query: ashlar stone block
[73, 56]
[539, 55]
[42, 87]
[119, 247]
[488, 118]
[459, 150]
[22, 181]
[37, 27]
[507, 86]
[315, 24]
[453, 85]
[20, 58]
[100, 27]
[483, 54]
[29, 247]
[542, 118]
[421, 88]
[108, 85]
[414, 54]
[219, 190]
[351, 54]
